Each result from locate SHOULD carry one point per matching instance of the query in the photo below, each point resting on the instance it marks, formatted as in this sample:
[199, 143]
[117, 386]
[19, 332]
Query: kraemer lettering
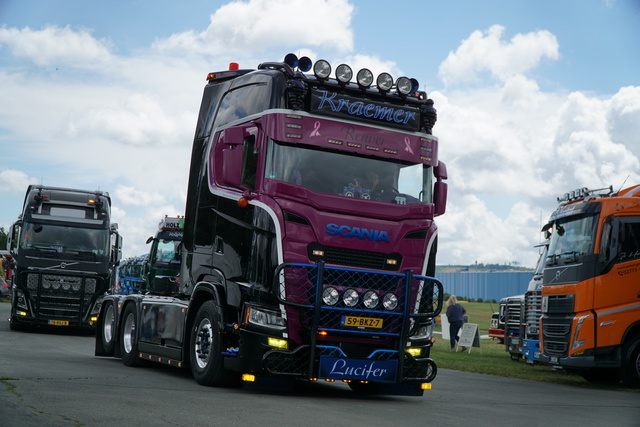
[331, 101]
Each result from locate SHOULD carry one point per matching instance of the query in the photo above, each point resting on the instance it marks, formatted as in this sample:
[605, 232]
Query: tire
[631, 363]
[107, 328]
[128, 336]
[205, 356]
[601, 375]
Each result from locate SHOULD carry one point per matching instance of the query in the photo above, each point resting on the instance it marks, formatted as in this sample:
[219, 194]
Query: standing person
[455, 315]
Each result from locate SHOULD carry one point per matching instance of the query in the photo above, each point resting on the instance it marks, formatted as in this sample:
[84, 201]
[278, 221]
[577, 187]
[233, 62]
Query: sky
[534, 98]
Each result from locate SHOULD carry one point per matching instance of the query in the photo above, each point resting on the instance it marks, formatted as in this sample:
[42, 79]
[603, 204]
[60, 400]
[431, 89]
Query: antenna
[625, 180]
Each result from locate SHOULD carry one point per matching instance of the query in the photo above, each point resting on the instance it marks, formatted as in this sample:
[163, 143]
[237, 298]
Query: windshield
[57, 239]
[168, 252]
[348, 175]
[573, 236]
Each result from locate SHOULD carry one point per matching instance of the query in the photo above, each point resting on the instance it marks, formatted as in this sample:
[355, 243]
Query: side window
[629, 236]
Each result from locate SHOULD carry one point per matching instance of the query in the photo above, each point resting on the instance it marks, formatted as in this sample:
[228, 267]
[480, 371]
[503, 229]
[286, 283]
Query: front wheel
[631, 363]
[128, 337]
[206, 348]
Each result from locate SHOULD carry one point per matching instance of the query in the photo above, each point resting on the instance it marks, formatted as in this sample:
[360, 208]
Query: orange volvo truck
[591, 286]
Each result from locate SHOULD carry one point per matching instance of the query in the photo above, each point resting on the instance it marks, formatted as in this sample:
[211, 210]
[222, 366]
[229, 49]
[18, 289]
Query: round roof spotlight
[350, 297]
[322, 69]
[304, 64]
[291, 60]
[384, 82]
[370, 299]
[330, 296]
[390, 301]
[414, 85]
[344, 73]
[404, 85]
[364, 78]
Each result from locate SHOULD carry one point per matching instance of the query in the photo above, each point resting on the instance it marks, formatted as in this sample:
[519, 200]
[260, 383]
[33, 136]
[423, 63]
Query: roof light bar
[404, 86]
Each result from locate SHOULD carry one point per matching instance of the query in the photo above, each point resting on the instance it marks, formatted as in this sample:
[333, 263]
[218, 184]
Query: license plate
[362, 322]
[59, 322]
[553, 360]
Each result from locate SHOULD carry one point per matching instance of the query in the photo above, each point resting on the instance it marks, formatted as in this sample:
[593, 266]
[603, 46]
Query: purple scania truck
[309, 240]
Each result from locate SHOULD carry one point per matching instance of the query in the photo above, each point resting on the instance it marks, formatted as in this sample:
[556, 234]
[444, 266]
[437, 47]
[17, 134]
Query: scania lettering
[590, 294]
[309, 237]
[66, 249]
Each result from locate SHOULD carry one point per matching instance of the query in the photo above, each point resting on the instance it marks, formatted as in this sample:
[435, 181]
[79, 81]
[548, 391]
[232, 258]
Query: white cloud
[14, 180]
[256, 25]
[487, 52]
[57, 46]
[129, 196]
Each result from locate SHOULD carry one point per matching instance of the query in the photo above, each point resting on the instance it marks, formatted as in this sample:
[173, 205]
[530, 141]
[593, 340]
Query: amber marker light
[323, 333]
[425, 386]
[243, 202]
[248, 378]
[277, 343]
[414, 351]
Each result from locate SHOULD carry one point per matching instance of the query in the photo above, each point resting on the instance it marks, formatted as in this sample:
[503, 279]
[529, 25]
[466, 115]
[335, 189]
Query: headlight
[350, 297]
[370, 299]
[422, 332]
[262, 317]
[390, 301]
[330, 296]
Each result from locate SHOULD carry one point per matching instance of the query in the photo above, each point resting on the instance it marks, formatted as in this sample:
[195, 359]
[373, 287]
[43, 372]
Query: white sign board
[470, 336]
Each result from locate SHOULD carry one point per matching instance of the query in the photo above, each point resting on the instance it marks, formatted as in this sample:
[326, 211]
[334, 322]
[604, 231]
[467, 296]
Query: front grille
[356, 258]
[513, 313]
[300, 285]
[60, 296]
[556, 333]
[560, 304]
[533, 313]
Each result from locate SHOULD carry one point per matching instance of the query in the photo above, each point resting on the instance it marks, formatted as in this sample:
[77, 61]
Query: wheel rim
[129, 333]
[109, 322]
[202, 345]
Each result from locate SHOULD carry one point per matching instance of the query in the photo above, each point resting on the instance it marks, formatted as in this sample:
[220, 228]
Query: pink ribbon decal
[316, 129]
[407, 142]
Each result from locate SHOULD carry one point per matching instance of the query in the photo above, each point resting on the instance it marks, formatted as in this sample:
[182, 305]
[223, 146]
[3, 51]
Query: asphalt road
[53, 379]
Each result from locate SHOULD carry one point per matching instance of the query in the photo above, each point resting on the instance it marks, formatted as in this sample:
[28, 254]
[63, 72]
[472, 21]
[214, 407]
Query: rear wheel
[206, 348]
[128, 338]
[108, 328]
[631, 363]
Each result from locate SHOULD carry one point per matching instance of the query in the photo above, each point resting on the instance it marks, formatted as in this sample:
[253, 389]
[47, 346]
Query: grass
[493, 359]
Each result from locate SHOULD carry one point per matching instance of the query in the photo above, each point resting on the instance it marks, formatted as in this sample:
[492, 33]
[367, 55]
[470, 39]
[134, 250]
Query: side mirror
[440, 189]
[149, 240]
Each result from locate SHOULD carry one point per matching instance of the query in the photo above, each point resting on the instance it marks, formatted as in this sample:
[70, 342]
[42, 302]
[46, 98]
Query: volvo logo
[62, 265]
